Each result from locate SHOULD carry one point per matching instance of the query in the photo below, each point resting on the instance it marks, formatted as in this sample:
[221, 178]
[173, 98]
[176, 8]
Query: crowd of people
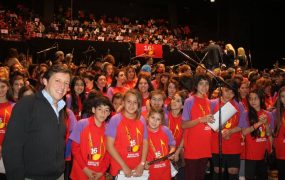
[23, 24]
[63, 121]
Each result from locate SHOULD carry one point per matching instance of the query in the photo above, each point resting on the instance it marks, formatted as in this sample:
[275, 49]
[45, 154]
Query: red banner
[151, 50]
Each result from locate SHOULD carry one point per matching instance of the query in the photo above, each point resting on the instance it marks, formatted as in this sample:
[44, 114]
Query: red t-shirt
[157, 148]
[174, 124]
[129, 135]
[167, 101]
[89, 148]
[131, 84]
[197, 139]
[255, 147]
[144, 101]
[5, 113]
[233, 144]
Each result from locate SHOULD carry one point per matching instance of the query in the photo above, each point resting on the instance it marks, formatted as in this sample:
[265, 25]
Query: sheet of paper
[121, 176]
[227, 111]
[2, 168]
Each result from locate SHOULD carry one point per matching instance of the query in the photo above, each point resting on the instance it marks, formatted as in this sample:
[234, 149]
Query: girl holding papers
[231, 134]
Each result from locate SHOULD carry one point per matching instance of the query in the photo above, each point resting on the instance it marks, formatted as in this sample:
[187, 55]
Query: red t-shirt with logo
[158, 147]
[255, 147]
[88, 148]
[233, 144]
[5, 113]
[129, 135]
[197, 139]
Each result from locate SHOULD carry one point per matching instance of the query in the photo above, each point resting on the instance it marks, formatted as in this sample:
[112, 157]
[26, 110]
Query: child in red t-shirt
[257, 130]
[197, 134]
[231, 134]
[175, 120]
[89, 143]
[127, 137]
[161, 143]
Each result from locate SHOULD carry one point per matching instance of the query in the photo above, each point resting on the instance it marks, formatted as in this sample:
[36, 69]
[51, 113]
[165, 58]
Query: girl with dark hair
[197, 134]
[17, 82]
[279, 133]
[257, 129]
[144, 86]
[243, 92]
[172, 87]
[89, 82]
[175, 109]
[89, 143]
[101, 83]
[131, 77]
[26, 90]
[231, 134]
[76, 98]
[108, 69]
[118, 83]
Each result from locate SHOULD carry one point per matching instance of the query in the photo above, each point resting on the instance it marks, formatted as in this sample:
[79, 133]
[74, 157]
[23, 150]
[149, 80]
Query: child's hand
[138, 171]
[226, 133]
[263, 119]
[172, 157]
[207, 119]
[127, 171]
[146, 166]
[176, 156]
[89, 173]
[97, 175]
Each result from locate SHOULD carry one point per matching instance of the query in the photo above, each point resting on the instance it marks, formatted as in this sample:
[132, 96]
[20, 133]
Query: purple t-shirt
[171, 140]
[188, 104]
[80, 125]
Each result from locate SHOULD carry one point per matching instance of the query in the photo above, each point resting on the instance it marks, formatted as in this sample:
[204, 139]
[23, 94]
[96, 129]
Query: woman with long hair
[76, 97]
[257, 130]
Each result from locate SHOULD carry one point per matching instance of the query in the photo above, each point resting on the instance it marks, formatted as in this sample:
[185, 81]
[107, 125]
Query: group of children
[122, 130]
[128, 142]
[140, 131]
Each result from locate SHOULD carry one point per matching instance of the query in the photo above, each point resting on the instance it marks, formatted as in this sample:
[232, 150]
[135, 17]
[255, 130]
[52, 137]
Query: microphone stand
[219, 83]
